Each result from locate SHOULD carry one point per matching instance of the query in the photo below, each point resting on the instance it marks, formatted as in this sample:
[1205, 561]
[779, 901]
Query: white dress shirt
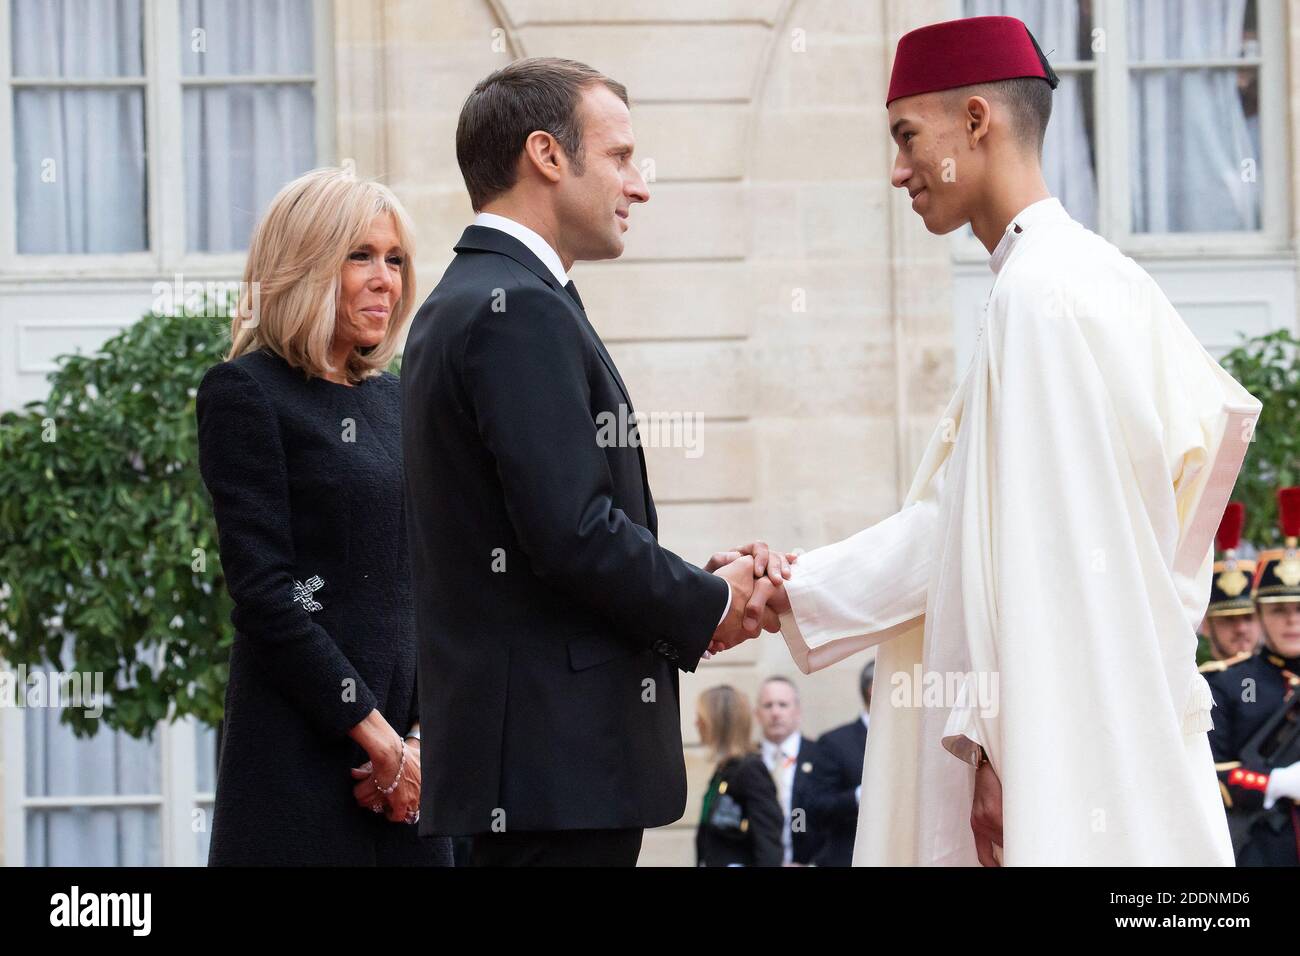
[535, 243]
[783, 758]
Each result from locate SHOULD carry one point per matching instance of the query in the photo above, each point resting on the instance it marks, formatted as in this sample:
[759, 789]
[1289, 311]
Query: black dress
[306, 483]
[741, 820]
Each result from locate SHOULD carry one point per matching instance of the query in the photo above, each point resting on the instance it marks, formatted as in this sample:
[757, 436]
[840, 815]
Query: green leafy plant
[108, 556]
[108, 547]
[1269, 368]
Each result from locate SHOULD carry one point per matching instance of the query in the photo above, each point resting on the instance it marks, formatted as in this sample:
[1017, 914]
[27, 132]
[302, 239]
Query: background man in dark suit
[792, 759]
[840, 774]
[552, 624]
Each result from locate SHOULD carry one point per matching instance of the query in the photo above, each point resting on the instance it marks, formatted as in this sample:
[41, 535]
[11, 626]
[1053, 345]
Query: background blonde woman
[300, 449]
[740, 818]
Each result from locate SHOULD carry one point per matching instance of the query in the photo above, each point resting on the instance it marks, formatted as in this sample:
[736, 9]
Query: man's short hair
[538, 93]
[865, 680]
[780, 679]
[1029, 100]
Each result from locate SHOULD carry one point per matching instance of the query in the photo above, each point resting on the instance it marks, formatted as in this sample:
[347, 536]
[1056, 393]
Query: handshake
[756, 576]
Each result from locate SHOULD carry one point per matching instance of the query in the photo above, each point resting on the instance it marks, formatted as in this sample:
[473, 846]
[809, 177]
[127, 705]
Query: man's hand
[986, 814]
[739, 575]
[767, 563]
[761, 611]
[765, 606]
[767, 598]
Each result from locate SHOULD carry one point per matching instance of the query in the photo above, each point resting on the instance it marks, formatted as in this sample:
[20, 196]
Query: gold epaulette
[1211, 667]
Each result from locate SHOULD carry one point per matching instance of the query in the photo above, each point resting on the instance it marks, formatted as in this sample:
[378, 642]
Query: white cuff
[961, 736]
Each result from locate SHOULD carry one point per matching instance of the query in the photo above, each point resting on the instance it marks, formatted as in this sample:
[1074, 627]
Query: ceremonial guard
[1231, 625]
[1256, 735]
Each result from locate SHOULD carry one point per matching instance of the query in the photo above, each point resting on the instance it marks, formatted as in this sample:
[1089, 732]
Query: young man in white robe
[1035, 601]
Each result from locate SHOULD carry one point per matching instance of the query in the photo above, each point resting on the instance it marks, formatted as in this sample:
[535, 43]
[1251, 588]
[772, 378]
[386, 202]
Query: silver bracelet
[401, 765]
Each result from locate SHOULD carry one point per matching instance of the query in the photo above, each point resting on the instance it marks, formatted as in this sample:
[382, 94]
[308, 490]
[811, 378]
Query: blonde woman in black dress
[300, 449]
[741, 820]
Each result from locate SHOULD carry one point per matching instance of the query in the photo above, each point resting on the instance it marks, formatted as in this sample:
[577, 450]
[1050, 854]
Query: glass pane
[81, 38]
[205, 758]
[203, 836]
[1070, 148]
[1063, 28]
[242, 143]
[1195, 150]
[94, 836]
[110, 763]
[79, 170]
[245, 37]
[1203, 30]
[205, 781]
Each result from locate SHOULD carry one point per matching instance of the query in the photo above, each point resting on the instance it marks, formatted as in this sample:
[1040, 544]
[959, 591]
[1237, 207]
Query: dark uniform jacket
[1248, 690]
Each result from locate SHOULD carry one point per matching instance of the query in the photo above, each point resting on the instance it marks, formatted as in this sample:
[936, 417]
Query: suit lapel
[652, 522]
[486, 239]
[604, 355]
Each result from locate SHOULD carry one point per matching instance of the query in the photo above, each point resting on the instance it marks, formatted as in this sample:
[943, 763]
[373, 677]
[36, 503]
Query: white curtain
[1188, 128]
[1067, 151]
[59, 764]
[79, 154]
[243, 141]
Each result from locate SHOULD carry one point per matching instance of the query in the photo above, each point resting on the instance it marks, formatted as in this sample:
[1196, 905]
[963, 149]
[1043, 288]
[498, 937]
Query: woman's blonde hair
[289, 300]
[726, 722]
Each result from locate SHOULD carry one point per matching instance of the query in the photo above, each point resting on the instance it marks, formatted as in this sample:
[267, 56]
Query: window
[1194, 88]
[78, 115]
[109, 800]
[1167, 130]
[148, 134]
[138, 139]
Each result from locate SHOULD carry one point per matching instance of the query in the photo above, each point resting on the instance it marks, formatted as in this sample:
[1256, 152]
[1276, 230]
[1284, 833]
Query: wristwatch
[979, 757]
[413, 733]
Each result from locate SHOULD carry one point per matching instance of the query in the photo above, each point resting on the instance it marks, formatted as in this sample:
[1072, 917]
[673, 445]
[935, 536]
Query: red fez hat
[945, 56]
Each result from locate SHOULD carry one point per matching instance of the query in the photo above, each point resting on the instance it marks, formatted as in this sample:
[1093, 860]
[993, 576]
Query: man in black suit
[840, 773]
[552, 624]
[793, 761]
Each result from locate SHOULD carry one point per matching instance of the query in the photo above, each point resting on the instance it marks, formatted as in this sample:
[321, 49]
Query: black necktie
[572, 289]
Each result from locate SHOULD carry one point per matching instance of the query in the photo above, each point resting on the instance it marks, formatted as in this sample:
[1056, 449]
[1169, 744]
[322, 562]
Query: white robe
[1048, 571]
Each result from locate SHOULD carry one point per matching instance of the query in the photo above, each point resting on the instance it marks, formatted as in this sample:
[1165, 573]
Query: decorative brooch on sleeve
[302, 593]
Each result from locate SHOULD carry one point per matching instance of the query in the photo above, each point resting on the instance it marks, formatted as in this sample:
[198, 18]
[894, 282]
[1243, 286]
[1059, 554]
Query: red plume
[1229, 535]
[1288, 511]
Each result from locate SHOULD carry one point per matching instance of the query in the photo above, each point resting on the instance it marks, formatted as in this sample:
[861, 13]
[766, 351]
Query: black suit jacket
[808, 794]
[551, 623]
[840, 774]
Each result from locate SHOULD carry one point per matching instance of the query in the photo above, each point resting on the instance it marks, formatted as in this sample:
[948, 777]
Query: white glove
[1282, 782]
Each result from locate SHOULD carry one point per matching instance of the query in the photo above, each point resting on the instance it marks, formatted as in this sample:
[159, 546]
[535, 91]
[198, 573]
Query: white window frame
[176, 800]
[163, 84]
[1111, 101]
